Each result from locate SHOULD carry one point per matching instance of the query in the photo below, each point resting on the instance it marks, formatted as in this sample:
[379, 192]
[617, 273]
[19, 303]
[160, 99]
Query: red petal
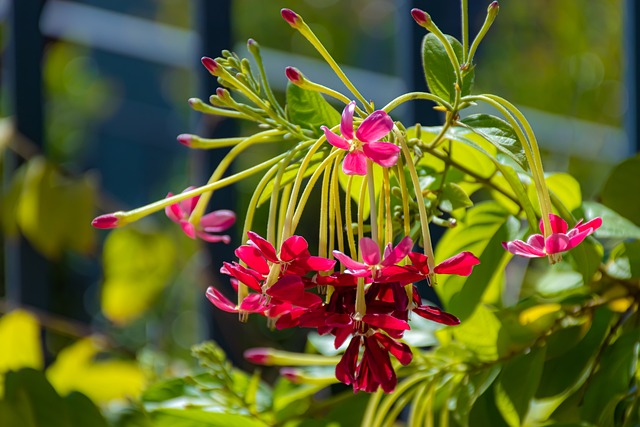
[594, 224]
[348, 262]
[346, 124]
[520, 248]
[436, 315]
[218, 221]
[557, 242]
[400, 351]
[461, 264]
[220, 301]
[558, 225]
[395, 255]
[385, 321]
[267, 249]
[251, 256]
[346, 368]
[292, 248]
[287, 288]
[317, 263]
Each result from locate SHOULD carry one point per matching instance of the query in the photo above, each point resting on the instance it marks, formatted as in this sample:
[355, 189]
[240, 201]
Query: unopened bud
[292, 374]
[294, 75]
[107, 221]
[223, 94]
[253, 47]
[211, 65]
[185, 139]
[493, 8]
[259, 355]
[291, 17]
[421, 17]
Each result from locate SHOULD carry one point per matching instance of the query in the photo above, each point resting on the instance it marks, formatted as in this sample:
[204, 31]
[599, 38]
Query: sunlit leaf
[620, 191]
[77, 369]
[513, 390]
[479, 333]
[137, 267]
[438, 69]
[310, 110]
[20, 341]
[565, 187]
[453, 197]
[199, 418]
[614, 226]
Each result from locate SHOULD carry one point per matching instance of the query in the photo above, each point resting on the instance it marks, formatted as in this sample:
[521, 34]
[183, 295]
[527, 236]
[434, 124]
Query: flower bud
[211, 65]
[493, 8]
[421, 17]
[253, 47]
[291, 17]
[185, 139]
[292, 374]
[107, 221]
[294, 75]
[259, 355]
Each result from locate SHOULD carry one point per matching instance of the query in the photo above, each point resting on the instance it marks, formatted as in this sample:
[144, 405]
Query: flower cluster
[375, 328]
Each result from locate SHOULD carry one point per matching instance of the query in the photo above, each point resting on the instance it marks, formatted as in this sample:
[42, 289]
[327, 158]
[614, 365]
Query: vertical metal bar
[632, 72]
[27, 271]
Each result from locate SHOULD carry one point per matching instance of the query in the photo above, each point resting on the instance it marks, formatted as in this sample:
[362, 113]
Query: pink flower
[560, 240]
[365, 144]
[373, 266]
[213, 222]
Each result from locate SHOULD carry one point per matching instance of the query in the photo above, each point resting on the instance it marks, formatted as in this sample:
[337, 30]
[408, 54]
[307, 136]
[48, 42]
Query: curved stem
[373, 219]
[411, 96]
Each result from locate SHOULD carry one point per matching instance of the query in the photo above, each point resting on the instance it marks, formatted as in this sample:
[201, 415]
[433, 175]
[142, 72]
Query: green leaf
[514, 389]
[614, 226]
[439, 70]
[612, 382]
[479, 333]
[481, 232]
[476, 384]
[137, 268]
[499, 133]
[484, 412]
[624, 261]
[310, 110]
[83, 412]
[565, 373]
[34, 399]
[565, 190]
[200, 418]
[453, 197]
[621, 189]
[20, 341]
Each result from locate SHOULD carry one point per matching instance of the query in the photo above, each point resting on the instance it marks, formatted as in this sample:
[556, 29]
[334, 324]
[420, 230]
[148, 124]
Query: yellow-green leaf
[137, 267]
[76, 369]
[20, 341]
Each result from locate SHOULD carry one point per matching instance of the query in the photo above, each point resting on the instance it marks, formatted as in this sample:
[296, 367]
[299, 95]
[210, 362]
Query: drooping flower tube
[365, 143]
[560, 240]
[210, 224]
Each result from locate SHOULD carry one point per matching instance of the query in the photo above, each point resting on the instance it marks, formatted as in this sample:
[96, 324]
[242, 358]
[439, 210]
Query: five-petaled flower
[560, 240]
[211, 223]
[365, 144]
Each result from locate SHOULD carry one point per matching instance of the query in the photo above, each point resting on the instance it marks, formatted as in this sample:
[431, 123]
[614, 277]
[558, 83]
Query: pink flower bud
[291, 374]
[211, 65]
[291, 17]
[421, 17]
[185, 139]
[106, 221]
[493, 8]
[294, 75]
[258, 355]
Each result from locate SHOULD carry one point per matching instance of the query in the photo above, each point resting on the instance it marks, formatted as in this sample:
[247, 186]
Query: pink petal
[317, 263]
[383, 153]
[220, 301]
[335, 140]
[218, 221]
[395, 255]
[436, 315]
[189, 205]
[461, 264]
[537, 241]
[520, 248]
[253, 303]
[369, 251]
[594, 224]
[251, 256]
[348, 262]
[213, 238]
[292, 248]
[346, 124]
[558, 225]
[556, 243]
[355, 163]
[374, 127]
[188, 228]
[173, 211]
[346, 368]
[267, 249]
[385, 321]
[576, 239]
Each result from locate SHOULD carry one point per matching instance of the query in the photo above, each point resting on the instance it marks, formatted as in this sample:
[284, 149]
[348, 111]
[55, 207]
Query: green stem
[348, 219]
[372, 202]
[465, 29]
[411, 96]
[335, 211]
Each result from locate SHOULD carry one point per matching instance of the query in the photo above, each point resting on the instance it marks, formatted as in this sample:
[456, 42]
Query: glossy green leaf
[624, 261]
[612, 382]
[514, 390]
[497, 132]
[137, 267]
[453, 197]
[83, 412]
[614, 226]
[484, 412]
[565, 372]
[481, 232]
[479, 333]
[621, 189]
[310, 110]
[438, 69]
[199, 418]
[476, 384]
